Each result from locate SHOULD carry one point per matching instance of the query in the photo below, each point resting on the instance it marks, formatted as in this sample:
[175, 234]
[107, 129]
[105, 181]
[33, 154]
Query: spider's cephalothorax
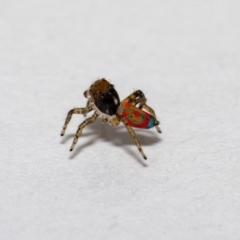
[103, 99]
[104, 96]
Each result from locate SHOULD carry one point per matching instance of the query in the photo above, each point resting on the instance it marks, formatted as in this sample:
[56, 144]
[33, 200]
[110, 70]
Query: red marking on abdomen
[135, 117]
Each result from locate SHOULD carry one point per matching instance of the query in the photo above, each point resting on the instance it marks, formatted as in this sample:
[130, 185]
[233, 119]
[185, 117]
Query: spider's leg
[136, 94]
[74, 111]
[133, 135]
[87, 106]
[149, 109]
[81, 126]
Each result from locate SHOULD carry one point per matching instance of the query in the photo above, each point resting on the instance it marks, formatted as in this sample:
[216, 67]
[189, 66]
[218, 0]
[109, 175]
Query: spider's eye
[85, 94]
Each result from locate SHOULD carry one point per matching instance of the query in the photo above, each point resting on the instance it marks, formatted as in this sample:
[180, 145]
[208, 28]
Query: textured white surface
[185, 55]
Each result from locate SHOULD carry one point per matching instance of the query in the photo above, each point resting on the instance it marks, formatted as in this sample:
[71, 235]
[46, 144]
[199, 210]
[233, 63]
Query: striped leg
[74, 111]
[137, 94]
[81, 126]
[133, 135]
[87, 106]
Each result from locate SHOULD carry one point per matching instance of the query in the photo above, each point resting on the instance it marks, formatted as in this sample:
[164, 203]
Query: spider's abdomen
[105, 97]
[136, 117]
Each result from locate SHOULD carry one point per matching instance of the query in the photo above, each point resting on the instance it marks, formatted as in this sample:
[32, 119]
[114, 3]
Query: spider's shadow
[117, 136]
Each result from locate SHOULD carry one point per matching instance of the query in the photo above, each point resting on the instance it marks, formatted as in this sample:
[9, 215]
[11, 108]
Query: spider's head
[104, 96]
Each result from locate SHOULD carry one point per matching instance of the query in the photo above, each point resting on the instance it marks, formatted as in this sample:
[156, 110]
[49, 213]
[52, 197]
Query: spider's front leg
[133, 135]
[81, 126]
[87, 106]
[75, 111]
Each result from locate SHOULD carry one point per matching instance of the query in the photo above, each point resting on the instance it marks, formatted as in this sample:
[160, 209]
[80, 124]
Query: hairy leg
[133, 135]
[74, 111]
[87, 106]
[136, 94]
[81, 126]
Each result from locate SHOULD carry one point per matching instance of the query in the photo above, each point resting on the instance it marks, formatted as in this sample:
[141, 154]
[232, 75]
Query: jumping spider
[103, 99]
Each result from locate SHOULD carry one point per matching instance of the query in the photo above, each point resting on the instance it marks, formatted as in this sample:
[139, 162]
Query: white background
[185, 56]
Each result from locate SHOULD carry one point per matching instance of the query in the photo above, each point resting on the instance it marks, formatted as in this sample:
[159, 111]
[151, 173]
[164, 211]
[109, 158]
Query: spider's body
[103, 99]
[104, 96]
[136, 117]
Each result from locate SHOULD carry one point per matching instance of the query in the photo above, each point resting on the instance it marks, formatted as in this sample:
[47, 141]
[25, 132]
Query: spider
[103, 99]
